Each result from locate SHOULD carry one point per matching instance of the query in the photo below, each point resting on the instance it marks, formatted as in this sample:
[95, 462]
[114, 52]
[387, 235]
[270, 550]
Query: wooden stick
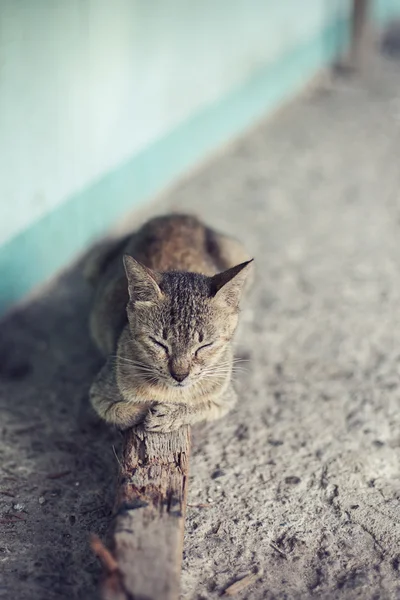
[242, 583]
[147, 533]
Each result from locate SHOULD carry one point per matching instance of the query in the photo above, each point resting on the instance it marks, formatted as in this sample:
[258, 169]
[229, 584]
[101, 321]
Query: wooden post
[359, 30]
[147, 533]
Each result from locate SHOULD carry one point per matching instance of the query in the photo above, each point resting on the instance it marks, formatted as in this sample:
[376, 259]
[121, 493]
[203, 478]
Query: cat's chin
[165, 384]
[180, 386]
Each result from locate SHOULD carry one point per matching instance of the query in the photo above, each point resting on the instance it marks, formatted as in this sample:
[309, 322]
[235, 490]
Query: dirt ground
[301, 482]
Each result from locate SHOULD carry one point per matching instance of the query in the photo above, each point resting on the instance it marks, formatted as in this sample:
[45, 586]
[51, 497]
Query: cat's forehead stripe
[186, 293]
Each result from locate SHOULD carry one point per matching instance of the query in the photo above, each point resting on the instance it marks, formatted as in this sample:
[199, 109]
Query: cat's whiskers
[138, 366]
[215, 374]
[131, 361]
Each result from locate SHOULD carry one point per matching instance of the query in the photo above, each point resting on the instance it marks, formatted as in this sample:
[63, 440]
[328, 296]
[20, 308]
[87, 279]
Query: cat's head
[181, 324]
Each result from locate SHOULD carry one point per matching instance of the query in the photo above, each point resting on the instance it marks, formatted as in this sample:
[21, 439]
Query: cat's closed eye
[203, 347]
[160, 345]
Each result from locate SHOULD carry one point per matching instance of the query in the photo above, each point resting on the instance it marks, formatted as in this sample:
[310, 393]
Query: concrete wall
[87, 86]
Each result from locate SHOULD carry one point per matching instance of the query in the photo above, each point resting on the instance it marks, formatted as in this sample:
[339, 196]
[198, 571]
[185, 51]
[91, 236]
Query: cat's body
[168, 319]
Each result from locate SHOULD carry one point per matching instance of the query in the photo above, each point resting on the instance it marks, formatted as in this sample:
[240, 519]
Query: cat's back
[172, 243]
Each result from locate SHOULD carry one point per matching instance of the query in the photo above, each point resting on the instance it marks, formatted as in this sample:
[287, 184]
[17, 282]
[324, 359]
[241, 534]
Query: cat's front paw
[163, 418]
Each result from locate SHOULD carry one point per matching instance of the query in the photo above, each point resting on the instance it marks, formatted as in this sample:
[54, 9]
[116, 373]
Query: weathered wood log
[147, 531]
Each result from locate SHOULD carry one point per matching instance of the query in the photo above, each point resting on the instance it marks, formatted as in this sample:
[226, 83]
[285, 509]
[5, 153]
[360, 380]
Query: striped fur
[166, 308]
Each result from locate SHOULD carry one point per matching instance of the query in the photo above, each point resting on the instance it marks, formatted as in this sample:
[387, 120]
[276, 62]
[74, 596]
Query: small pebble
[19, 507]
[77, 483]
[42, 500]
[217, 473]
[209, 500]
[292, 479]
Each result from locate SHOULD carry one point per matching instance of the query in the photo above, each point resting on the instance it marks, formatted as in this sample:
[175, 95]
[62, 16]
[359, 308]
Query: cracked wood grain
[147, 532]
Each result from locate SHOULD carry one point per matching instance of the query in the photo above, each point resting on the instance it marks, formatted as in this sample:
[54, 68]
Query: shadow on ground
[57, 461]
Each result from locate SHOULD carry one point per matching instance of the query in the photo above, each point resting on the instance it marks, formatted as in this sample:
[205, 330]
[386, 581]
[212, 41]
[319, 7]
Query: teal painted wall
[87, 84]
[384, 10]
[103, 103]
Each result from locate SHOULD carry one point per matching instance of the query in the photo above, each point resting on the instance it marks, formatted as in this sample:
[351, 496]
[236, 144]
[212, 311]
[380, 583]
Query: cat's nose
[179, 376]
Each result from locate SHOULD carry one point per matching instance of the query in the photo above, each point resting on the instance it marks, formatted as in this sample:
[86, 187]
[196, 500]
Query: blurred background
[103, 104]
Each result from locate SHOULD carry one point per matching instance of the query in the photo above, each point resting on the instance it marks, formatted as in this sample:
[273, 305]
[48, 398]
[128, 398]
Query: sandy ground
[301, 482]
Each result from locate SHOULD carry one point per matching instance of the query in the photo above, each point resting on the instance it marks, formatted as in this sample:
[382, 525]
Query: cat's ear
[228, 285]
[142, 281]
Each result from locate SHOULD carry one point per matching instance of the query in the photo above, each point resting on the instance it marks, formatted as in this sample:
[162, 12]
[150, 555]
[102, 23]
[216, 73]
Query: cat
[165, 311]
